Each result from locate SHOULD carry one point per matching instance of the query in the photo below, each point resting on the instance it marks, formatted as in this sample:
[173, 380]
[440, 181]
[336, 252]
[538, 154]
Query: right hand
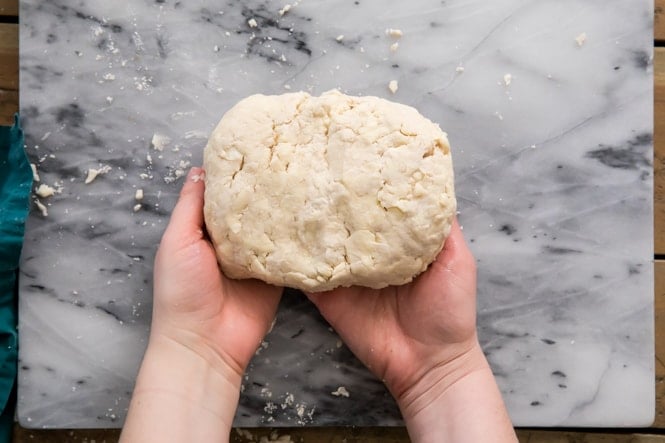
[416, 336]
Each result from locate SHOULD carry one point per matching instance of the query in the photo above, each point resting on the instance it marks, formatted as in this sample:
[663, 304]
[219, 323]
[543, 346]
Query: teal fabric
[15, 186]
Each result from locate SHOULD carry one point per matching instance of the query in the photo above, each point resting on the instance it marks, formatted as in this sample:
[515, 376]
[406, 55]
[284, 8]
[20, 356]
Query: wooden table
[9, 105]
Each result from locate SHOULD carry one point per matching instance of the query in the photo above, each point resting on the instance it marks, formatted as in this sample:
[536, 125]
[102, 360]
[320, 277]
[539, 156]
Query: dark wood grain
[9, 8]
[659, 150]
[659, 21]
[8, 72]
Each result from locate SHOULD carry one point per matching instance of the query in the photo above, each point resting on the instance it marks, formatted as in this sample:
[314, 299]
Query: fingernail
[196, 174]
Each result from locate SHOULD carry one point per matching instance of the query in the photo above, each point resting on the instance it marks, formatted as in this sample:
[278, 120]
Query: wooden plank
[9, 7]
[8, 72]
[659, 150]
[338, 435]
[659, 20]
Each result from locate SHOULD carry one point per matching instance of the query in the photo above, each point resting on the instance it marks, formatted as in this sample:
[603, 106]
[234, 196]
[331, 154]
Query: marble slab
[548, 106]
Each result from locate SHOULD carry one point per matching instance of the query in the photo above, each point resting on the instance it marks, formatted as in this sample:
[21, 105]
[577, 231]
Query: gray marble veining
[548, 106]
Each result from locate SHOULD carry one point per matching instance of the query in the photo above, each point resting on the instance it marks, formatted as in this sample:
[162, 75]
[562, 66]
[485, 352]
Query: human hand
[195, 305]
[205, 328]
[403, 332]
[420, 339]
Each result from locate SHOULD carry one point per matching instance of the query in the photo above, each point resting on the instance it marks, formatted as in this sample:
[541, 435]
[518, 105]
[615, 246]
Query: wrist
[180, 382]
[458, 401]
[433, 385]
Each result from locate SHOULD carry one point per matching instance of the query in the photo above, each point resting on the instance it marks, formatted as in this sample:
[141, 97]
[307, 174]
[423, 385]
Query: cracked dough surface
[320, 192]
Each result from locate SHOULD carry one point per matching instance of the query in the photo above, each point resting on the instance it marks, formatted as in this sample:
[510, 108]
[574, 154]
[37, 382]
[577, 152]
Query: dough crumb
[138, 195]
[340, 37]
[393, 86]
[284, 10]
[459, 69]
[581, 39]
[159, 141]
[35, 174]
[137, 207]
[507, 79]
[252, 23]
[41, 208]
[45, 191]
[198, 177]
[394, 47]
[341, 392]
[394, 33]
[109, 77]
[93, 173]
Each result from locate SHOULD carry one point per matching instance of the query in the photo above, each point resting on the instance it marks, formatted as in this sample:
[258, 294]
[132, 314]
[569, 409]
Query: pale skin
[419, 339]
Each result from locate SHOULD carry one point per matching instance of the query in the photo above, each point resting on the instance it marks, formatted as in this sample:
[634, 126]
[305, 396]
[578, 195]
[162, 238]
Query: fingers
[455, 248]
[186, 224]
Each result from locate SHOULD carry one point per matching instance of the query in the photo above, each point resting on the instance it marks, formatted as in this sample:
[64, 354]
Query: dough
[320, 192]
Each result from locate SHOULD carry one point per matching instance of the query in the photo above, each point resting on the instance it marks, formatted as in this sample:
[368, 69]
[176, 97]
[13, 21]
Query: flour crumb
[394, 33]
[284, 10]
[341, 392]
[109, 77]
[159, 141]
[41, 208]
[252, 23]
[94, 173]
[35, 174]
[394, 47]
[198, 177]
[340, 37]
[459, 69]
[109, 99]
[138, 195]
[137, 207]
[581, 39]
[45, 191]
[507, 79]
[393, 86]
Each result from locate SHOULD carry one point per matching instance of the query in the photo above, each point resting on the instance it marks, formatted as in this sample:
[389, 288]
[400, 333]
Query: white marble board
[548, 105]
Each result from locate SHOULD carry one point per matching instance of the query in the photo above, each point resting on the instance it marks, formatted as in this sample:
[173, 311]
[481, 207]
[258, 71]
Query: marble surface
[548, 105]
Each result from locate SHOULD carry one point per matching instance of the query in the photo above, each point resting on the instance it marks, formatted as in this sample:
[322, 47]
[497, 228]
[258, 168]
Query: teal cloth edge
[15, 187]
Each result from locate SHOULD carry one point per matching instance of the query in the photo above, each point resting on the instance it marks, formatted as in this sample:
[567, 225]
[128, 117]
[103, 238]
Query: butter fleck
[394, 33]
[284, 10]
[341, 392]
[45, 191]
[93, 173]
[41, 208]
[35, 174]
[581, 39]
[159, 141]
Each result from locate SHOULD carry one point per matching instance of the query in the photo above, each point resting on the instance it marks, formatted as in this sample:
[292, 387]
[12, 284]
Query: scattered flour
[94, 173]
[45, 191]
[341, 392]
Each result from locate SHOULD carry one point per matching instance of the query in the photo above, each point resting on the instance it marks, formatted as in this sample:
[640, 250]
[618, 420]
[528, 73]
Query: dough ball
[320, 192]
